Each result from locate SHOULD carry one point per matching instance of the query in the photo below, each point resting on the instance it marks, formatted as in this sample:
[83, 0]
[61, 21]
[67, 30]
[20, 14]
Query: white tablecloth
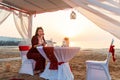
[63, 54]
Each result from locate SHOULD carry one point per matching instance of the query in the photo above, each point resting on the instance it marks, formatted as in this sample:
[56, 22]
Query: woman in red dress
[37, 40]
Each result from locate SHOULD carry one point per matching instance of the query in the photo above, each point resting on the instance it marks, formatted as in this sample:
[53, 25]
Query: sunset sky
[57, 25]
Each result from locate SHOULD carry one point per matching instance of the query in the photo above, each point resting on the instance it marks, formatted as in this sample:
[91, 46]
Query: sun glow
[62, 24]
[71, 29]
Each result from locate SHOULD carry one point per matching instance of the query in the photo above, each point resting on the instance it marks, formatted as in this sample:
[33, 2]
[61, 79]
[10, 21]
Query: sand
[9, 69]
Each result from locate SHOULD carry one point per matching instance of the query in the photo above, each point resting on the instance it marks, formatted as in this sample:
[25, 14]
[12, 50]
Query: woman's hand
[37, 45]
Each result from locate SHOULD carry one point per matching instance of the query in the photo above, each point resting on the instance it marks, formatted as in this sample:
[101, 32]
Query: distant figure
[37, 40]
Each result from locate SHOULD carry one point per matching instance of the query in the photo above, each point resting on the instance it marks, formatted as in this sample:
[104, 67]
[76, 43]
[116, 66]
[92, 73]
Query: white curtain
[23, 24]
[4, 15]
[103, 13]
[22, 21]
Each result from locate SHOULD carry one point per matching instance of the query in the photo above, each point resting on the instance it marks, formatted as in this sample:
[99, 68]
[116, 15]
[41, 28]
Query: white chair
[27, 64]
[98, 70]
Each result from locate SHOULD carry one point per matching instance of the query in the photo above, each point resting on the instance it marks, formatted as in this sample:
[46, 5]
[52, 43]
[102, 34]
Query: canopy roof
[104, 13]
[36, 6]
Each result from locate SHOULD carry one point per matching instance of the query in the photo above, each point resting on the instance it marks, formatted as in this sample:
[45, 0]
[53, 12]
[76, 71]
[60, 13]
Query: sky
[57, 25]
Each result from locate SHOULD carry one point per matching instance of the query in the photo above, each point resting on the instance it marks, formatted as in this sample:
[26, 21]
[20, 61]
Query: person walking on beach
[37, 40]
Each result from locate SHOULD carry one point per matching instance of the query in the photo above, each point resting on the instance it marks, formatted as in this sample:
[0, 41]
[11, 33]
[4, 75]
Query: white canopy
[36, 6]
[104, 13]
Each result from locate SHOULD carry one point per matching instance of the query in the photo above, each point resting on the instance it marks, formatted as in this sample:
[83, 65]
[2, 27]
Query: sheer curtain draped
[22, 21]
[104, 13]
[23, 25]
[4, 15]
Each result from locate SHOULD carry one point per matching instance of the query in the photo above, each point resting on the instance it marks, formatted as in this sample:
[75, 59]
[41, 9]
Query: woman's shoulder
[34, 37]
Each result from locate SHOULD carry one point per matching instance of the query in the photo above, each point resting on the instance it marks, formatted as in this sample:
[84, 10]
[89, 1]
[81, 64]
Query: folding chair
[28, 65]
[98, 70]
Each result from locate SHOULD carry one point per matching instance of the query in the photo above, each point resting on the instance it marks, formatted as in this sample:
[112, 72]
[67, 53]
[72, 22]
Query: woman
[37, 40]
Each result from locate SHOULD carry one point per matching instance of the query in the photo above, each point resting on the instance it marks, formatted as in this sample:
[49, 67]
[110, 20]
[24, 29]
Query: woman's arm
[34, 41]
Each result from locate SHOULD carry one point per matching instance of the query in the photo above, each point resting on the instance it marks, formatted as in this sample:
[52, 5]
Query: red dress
[35, 55]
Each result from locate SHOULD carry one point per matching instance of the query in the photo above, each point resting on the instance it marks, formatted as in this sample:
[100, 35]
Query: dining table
[57, 67]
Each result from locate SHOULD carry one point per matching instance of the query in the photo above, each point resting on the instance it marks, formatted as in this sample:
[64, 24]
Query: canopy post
[30, 26]
[30, 19]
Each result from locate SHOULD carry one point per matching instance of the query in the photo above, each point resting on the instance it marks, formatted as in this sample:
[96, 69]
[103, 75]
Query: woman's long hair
[36, 33]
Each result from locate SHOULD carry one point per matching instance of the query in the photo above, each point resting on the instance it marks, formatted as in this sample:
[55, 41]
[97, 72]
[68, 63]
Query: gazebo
[104, 13]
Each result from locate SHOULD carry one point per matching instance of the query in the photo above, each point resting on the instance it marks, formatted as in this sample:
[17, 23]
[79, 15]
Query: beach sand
[9, 69]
